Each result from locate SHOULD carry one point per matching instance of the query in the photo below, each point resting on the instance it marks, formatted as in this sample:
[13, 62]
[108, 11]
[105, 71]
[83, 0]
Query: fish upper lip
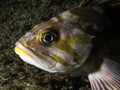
[21, 46]
[34, 56]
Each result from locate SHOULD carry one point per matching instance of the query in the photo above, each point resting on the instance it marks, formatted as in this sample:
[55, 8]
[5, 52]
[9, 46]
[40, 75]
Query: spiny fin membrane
[107, 78]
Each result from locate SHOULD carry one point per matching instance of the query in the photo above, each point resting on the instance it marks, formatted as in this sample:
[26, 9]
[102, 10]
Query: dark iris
[49, 37]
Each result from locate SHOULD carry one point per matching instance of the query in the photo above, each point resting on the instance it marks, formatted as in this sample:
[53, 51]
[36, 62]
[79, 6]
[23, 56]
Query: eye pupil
[48, 38]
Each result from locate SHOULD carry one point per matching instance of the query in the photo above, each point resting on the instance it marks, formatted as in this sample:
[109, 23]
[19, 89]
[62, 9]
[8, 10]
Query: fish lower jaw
[58, 68]
[30, 58]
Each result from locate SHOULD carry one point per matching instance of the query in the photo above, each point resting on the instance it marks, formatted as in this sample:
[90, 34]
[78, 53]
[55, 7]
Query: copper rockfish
[64, 44]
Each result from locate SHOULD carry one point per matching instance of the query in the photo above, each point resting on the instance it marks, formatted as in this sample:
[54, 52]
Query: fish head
[57, 45]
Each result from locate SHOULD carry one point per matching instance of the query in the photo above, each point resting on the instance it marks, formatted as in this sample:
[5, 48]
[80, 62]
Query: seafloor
[16, 18]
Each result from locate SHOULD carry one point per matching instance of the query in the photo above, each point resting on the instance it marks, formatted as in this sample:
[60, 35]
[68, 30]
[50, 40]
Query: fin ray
[108, 76]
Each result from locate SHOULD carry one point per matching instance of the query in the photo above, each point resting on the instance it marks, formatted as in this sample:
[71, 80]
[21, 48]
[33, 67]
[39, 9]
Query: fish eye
[49, 37]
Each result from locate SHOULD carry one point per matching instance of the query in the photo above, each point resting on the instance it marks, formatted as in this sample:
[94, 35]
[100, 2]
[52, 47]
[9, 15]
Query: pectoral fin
[107, 77]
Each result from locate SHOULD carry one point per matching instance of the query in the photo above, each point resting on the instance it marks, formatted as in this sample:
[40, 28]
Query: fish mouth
[30, 57]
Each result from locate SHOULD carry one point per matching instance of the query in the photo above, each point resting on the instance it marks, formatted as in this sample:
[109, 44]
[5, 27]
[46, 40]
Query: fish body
[68, 43]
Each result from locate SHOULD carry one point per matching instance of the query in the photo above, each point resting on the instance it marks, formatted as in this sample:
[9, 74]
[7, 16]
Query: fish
[75, 42]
